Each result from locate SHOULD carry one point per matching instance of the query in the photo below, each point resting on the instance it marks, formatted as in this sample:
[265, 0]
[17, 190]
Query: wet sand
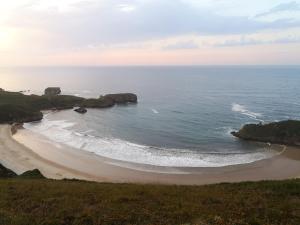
[27, 150]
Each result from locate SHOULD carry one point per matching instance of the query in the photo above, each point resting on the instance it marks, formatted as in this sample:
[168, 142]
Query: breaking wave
[243, 110]
[63, 132]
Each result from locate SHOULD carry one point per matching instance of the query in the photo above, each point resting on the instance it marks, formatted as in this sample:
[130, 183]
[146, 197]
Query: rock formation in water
[52, 91]
[81, 110]
[283, 132]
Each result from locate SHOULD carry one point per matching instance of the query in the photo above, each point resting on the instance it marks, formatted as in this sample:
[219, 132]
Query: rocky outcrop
[1, 89]
[15, 127]
[32, 174]
[81, 110]
[121, 98]
[52, 91]
[283, 132]
[6, 173]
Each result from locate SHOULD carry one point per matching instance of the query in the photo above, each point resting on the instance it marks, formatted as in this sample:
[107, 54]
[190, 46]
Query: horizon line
[158, 65]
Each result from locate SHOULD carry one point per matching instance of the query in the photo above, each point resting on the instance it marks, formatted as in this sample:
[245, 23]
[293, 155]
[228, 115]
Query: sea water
[184, 115]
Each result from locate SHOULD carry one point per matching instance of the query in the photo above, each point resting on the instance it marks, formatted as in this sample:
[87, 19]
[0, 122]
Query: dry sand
[26, 150]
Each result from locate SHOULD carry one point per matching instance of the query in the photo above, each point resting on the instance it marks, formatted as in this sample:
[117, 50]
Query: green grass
[41, 202]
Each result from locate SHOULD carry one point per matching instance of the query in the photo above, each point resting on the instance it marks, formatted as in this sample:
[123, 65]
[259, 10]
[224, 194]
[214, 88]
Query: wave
[154, 111]
[243, 110]
[225, 131]
[61, 132]
[179, 112]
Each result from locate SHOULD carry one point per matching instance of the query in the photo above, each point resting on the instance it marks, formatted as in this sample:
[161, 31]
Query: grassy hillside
[37, 202]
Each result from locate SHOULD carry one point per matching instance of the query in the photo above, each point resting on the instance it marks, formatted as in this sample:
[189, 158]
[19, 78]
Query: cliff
[283, 132]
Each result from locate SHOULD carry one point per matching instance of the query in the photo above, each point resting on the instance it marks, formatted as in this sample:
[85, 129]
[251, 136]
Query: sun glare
[5, 38]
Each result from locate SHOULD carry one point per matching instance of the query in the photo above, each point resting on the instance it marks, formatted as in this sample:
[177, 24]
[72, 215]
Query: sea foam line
[64, 133]
[243, 110]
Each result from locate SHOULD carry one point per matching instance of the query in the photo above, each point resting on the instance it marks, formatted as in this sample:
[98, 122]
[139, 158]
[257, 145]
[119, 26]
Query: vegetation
[283, 132]
[17, 107]
[6, 173]
[18, 113]
[29, 199]
[38, 202]
[31, 174]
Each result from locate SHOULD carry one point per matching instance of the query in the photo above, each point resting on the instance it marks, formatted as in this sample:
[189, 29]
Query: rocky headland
[283, 132]
[15, 107]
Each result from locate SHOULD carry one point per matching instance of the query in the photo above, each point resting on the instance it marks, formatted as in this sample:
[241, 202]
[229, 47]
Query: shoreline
[27, 150]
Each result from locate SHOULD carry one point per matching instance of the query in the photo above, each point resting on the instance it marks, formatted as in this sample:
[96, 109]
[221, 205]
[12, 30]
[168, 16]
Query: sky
[149, 32]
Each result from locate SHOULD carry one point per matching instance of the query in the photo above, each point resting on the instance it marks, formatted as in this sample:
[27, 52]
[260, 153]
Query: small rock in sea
[80, 110]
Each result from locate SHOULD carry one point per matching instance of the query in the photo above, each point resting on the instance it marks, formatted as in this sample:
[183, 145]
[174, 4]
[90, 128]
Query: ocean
[184, 115]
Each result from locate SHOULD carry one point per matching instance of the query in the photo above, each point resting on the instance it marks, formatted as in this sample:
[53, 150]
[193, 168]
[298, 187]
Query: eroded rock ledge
[283, 132]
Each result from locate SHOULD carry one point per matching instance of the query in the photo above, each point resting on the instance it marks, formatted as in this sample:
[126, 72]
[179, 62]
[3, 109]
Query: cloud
[106, 22]
[284, 7]
[181, 45]
[126, 7]
[252, 41]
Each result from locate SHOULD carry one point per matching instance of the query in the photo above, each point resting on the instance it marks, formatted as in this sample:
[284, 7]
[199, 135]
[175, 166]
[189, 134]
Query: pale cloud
[283, 7]
[243, 41]
[92, 29]
[107, 23]
[126, 7]
[181, 45]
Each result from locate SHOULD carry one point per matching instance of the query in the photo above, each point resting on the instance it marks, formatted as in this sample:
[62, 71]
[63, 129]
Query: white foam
[225, 131]
[155, 111]
[60, 132]
[243, 110]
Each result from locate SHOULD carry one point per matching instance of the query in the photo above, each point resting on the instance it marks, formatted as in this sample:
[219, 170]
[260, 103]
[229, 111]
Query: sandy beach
[27, 150]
